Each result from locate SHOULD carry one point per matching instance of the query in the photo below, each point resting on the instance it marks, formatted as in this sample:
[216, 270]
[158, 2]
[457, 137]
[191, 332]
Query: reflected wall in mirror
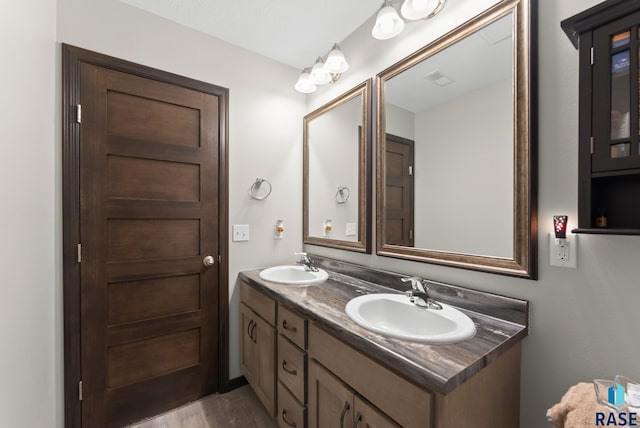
[455, 176]
[337, 146]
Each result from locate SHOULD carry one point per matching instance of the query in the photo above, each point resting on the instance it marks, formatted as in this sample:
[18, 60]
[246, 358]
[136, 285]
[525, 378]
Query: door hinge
[79, 250]
[591, 148]
[591, 55]
[79, 113]
[410, 170]
[411, 234]
[80, 391]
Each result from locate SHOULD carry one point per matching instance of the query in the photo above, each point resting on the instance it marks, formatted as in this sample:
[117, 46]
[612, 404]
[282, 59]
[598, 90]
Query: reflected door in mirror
[399, 191]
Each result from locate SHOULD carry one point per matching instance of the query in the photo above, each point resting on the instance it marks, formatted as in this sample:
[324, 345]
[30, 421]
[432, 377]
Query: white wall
[583, 322]
[399, 122]
[478, 218]
[30, 365]
[333, 161]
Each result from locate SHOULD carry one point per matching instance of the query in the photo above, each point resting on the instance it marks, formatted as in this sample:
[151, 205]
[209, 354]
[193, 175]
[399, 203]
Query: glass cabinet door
[616, 97]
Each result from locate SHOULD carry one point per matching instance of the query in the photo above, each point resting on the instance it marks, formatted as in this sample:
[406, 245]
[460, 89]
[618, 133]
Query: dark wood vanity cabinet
[608, 39]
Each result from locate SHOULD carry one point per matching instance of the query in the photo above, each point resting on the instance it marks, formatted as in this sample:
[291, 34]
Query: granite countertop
[501, 323]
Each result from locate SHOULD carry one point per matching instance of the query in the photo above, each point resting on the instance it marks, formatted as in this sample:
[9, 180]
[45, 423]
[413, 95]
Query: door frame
[71, 58]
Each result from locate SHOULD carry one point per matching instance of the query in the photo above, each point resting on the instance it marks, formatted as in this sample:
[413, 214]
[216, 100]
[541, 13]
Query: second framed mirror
[337, 165]
[456, 166]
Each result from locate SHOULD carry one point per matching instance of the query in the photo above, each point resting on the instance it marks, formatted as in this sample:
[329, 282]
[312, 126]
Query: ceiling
[294, 32]
[477, 61]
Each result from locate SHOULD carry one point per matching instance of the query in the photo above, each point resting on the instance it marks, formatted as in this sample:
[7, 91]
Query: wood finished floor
[238, 408]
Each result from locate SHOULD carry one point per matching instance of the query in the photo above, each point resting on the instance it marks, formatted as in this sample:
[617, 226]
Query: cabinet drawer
[258, 302]
[293, 326]
[291, 414]
[291, 367]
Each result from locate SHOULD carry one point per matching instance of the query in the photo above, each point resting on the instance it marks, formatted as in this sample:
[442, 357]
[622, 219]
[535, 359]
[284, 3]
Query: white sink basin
[293, 275]
[394, 315]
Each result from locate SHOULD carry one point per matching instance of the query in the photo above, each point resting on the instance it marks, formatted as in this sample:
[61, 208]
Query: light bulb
[318, 74]
[304, 83]
[388, 24]
[336, 62]
[418, 9]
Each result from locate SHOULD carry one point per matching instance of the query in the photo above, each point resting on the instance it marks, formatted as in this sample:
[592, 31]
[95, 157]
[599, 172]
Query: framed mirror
[337, 165]
[455, 163]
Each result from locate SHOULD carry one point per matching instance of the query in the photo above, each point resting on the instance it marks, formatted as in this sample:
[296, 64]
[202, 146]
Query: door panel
[398, 217]
[134, 178]
[150, 298]
[151, 120]
[148, 216]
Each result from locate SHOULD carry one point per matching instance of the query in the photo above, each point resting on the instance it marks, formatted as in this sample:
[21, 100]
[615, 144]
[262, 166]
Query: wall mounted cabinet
[608, 39]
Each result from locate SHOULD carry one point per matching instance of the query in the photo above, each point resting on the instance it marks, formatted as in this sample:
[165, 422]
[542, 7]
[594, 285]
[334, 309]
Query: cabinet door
[248, 363]
[265, 377]
[615, 126]
[258, 356]
[330, 401]
[367, 416]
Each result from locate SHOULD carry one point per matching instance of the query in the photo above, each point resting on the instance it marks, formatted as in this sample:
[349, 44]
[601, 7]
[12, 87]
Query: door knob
[208, 261]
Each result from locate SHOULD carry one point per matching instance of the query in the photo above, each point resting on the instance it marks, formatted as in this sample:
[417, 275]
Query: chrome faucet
[419, 294]
[306, 262]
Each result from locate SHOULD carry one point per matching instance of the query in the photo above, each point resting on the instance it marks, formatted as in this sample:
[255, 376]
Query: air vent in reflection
[438, 78]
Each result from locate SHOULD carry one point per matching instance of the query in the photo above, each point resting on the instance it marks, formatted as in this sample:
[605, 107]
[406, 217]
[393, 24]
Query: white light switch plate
[563, 257]
[240, 232]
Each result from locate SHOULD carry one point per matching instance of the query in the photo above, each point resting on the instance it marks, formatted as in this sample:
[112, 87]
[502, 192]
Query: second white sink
[293, 275]
[395, 316]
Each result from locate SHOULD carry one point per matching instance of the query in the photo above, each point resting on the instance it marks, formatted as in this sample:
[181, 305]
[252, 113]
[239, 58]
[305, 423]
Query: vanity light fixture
[323, 71]
[388, 22]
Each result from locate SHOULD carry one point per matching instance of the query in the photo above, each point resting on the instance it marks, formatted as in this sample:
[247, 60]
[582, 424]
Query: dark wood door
[398, 204]
[148, 218]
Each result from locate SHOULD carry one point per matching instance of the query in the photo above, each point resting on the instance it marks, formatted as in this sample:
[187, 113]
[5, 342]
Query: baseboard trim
[237, 383]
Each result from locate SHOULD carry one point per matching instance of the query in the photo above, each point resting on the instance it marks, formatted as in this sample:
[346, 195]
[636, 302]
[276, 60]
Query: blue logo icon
[616, 395]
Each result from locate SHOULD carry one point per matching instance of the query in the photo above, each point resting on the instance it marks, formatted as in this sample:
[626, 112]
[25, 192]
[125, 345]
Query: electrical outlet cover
[567, 257]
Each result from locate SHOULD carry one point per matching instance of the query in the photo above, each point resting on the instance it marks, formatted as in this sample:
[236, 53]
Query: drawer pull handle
[293, 372]
[284, 418]
[358, 420]
[286, 327]
[253, 337]
[249, 328]
[345, 409]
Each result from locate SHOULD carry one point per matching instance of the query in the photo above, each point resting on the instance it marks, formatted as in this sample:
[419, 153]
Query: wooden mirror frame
[363, 244]
[524, 261]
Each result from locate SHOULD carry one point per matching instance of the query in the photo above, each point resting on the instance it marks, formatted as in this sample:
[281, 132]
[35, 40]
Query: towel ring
[254, 190]
[342, 195]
